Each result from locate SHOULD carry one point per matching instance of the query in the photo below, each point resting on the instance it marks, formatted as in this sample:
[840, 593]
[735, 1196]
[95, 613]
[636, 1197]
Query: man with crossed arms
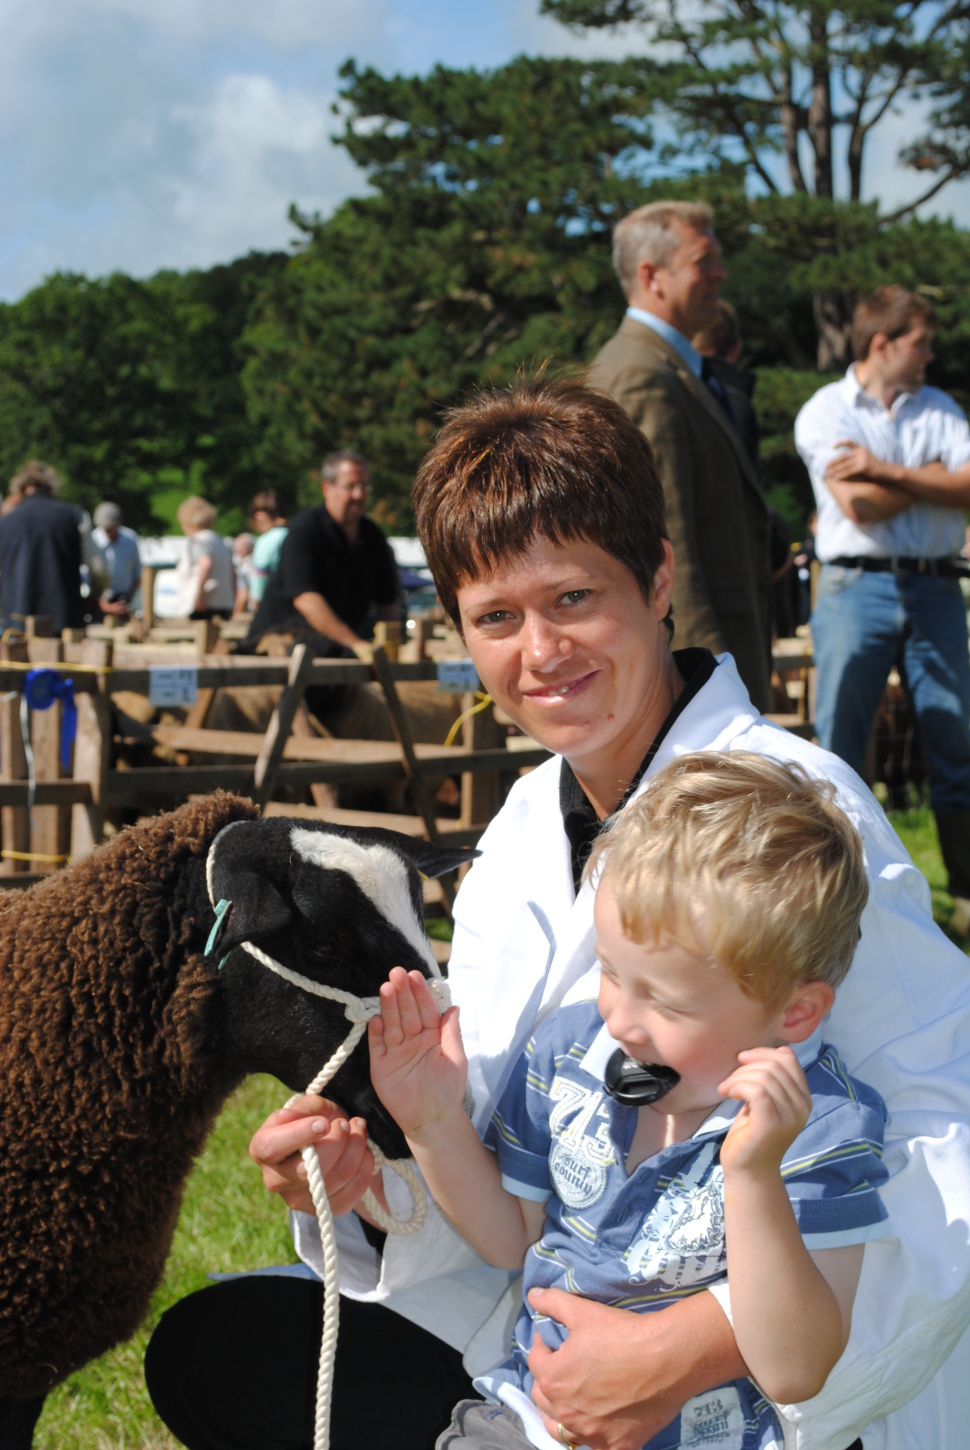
[889, 460]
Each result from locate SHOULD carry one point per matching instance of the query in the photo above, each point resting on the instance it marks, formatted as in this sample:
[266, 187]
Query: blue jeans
[862, 625]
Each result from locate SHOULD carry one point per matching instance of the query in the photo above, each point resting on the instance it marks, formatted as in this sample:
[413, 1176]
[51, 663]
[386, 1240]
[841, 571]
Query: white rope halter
[358, 1011]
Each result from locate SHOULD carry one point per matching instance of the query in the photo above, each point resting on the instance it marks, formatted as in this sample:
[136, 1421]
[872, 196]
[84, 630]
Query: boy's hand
[777, 1103]
[417, 1061]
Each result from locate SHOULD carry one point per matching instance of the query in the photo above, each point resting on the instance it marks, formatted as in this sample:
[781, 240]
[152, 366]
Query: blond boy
[727, 913]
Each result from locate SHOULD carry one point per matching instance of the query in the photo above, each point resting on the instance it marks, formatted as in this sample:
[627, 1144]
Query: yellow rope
[484, 702]
[29, 856]
[56, 665]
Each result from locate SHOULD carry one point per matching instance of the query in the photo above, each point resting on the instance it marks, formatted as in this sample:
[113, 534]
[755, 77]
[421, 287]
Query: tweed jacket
[717, 518]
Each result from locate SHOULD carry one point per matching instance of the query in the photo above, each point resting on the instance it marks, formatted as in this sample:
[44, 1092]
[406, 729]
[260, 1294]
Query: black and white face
[335, 905]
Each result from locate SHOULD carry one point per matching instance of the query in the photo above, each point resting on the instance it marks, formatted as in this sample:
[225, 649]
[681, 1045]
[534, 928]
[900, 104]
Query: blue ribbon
[42, 689]
[221, 908]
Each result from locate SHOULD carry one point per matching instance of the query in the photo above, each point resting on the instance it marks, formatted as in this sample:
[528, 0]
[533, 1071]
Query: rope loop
[358, 1011]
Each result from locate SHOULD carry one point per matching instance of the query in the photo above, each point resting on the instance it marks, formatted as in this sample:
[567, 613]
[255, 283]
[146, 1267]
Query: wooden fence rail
[284, 757]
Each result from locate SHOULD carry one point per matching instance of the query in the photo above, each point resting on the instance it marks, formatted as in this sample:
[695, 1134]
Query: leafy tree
[803, 81]
[132, 388]
[484, 249]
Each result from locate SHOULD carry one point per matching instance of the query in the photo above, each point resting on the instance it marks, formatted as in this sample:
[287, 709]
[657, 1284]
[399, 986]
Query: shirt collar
[669, 334]
[862, 399]
[603, 1046]
[580, 822]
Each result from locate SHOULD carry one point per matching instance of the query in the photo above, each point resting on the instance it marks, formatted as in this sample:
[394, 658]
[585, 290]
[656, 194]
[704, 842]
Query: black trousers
[234, 1367]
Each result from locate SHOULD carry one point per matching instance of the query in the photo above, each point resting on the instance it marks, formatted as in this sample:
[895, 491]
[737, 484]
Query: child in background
[691, 1127]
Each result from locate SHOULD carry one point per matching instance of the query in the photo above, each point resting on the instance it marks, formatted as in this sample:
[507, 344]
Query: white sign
[455, 677]
[172, 684]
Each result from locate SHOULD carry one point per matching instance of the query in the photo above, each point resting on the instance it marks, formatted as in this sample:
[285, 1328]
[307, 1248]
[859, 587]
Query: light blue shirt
[669, 334]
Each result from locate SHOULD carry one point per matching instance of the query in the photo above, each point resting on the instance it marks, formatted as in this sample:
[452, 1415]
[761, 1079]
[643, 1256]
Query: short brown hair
[41, 477]
[722, 336]
[268, 502]
[651, 234]
[744, 857]
[890, 310]
[544, 459]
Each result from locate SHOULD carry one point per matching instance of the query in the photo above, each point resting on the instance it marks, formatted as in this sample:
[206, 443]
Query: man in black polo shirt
[335, 568]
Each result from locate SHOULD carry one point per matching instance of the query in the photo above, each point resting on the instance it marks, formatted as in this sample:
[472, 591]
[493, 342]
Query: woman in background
[206, 578]
[267, 518]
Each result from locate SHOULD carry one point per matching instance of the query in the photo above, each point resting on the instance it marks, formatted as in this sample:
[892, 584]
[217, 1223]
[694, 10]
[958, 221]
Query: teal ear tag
[221, 909]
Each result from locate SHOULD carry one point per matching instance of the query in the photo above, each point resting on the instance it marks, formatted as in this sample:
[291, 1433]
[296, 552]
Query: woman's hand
[620, 1378]
[345, 1159]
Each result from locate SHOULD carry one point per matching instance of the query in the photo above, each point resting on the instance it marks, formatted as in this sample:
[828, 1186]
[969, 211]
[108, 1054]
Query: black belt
[944, 568]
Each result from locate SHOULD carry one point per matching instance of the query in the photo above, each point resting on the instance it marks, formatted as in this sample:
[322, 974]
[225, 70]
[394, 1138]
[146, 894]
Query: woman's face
[566, 644]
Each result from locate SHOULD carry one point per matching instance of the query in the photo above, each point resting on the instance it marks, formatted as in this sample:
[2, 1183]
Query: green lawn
[917, 832]
[228, 1222]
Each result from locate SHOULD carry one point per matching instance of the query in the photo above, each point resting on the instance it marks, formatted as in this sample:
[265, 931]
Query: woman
[542, 519]
[268, 519]
[206, 578]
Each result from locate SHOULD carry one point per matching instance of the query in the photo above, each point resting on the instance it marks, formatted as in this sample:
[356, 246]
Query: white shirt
[922, 427]
[219, 590]
[670, 334]
[524, 944]
[122, 559]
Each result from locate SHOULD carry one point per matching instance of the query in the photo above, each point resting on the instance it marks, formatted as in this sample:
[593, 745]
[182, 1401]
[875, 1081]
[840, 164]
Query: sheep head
[338, 905]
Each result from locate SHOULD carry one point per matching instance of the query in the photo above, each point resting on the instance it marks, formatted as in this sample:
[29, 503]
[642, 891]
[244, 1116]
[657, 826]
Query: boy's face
[665, 1004]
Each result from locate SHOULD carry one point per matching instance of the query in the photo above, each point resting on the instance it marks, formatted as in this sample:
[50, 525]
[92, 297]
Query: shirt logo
[681, 1240]
[582, 1151]
[714, 1421]
[578, 1182]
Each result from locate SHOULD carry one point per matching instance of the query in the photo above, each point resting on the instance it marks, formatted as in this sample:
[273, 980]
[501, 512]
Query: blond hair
[744, 858]
[195, 513]
[652, 234]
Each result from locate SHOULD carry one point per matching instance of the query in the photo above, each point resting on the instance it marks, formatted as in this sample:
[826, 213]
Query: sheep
[120, 1039]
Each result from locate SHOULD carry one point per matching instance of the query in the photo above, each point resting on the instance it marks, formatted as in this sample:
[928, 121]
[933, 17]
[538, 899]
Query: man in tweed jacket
[668, 261]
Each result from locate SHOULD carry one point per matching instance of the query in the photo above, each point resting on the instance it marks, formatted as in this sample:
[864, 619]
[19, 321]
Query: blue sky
[139, 134]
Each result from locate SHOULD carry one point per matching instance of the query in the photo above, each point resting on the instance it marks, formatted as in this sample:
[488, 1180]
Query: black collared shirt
[580, 821]
[317, 557]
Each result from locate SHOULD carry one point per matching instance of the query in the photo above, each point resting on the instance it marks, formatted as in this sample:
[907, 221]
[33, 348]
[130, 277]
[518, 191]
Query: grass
[917, 831]
[229, 1222]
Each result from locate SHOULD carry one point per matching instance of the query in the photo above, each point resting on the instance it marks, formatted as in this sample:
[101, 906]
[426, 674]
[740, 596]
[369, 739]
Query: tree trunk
[832, 312]
[820, 109]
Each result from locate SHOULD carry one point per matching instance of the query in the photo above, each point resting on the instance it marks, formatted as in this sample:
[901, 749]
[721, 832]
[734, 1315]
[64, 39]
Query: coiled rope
[358, 1011]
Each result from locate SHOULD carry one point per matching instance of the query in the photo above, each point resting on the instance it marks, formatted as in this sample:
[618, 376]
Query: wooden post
[423, 803]
[14, 825]
[277, 733]
[50, 825]
[92, 752]
[148, 572]
[480, 794]
[206, 634]
[323, 795]
[387, 636]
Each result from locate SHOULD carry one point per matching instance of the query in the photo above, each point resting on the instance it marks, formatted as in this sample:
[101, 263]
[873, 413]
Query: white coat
[524, 944]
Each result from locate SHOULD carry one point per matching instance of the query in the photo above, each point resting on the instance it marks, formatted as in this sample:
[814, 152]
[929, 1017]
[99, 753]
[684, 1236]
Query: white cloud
[257, 146]
[139, 134]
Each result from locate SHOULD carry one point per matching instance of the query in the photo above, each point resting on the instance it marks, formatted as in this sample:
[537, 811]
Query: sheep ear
[257, 909]
[433, 860]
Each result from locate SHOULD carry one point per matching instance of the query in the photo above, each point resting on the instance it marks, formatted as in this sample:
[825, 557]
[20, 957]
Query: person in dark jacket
[41, 552]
